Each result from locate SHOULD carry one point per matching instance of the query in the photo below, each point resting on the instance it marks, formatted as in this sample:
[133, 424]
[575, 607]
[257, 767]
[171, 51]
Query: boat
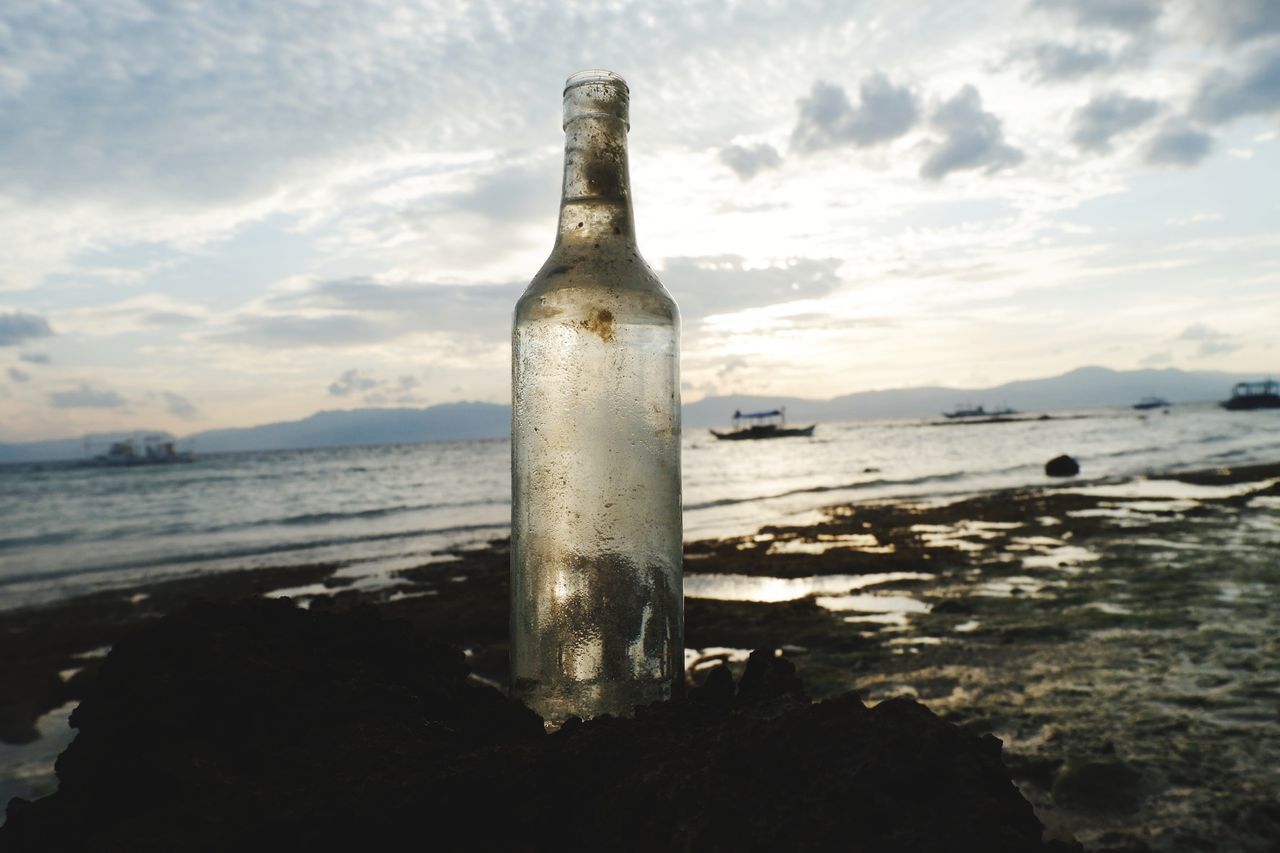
[1254, 395]
[156, 449]
[771, 424]
[1151, 403]
[971, 411]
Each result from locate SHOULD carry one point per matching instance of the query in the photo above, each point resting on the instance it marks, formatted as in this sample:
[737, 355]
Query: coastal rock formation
[1062, 466]
[262, 725]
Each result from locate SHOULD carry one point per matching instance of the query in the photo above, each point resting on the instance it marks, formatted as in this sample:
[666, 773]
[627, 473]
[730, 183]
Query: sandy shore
[1115, 636]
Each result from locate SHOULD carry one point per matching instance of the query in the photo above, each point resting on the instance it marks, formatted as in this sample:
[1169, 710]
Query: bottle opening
[596, 92]
[594, 75]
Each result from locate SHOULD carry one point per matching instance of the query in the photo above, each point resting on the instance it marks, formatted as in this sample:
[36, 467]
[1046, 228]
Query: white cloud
[18, 327]
[972, 138]
[1178, 145]
[827, 119]
[86, 396]
[748, 160]
[1107, 116]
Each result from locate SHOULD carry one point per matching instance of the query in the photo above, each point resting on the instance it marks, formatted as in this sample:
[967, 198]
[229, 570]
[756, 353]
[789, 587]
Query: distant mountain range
[1083, 388]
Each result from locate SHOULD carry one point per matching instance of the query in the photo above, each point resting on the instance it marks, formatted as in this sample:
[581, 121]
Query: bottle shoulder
[575, 278]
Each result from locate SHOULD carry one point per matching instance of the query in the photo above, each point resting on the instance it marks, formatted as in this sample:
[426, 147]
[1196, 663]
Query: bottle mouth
[595, 75]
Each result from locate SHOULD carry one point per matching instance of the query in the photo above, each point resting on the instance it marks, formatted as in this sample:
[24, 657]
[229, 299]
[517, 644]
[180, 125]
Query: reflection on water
[26, 770]
[1168, 489]
[872, 603]
[725, 587]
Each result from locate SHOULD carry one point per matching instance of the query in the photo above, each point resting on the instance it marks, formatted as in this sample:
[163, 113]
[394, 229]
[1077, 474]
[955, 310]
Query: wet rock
[1062, 466]
[1099, 786]
[261, 726]
[769, 677]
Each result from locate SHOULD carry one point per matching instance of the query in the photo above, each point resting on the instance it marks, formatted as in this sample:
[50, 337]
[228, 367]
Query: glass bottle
[597, 605]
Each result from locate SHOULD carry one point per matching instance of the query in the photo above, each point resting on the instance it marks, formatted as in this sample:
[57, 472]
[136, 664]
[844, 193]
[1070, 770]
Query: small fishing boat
[1151, 403]
[971, 411]
[140, 450]
[1254, 395]
[771, 424]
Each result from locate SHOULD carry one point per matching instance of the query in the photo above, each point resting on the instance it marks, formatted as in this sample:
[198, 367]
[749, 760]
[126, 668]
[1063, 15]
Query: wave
[949, 477]
[207, 556]
[151, 530]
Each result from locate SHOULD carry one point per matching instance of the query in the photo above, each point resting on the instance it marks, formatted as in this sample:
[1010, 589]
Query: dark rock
[1062, 466]
[769, 677]
[261, 726]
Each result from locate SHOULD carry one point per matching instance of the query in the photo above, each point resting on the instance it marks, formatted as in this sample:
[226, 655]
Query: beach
[1117, 635]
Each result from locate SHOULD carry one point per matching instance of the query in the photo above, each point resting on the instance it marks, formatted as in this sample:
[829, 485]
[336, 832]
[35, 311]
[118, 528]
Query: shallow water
[374, 510]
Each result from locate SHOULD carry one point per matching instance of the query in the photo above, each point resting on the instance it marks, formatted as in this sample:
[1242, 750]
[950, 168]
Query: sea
[73, 528]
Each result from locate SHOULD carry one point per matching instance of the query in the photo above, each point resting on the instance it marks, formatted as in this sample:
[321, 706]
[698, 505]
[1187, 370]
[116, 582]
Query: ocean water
[70, 528]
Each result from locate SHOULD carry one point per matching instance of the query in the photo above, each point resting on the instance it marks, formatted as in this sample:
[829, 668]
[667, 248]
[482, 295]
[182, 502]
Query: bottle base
[589, 699]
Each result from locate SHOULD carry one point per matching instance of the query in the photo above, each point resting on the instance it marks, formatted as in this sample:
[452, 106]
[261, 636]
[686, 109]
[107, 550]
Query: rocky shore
[1114, 636]
[262, 725]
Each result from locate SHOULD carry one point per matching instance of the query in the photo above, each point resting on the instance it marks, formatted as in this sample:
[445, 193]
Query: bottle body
[596, 546]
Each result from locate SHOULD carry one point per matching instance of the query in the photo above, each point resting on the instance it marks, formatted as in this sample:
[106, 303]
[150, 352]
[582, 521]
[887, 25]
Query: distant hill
[364, 426]
[1083, 388]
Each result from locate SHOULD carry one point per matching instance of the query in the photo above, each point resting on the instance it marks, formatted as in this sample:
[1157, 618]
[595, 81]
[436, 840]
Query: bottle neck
[595, 203]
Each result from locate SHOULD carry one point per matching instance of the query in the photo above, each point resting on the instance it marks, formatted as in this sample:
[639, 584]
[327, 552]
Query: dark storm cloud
[1107, 116]
[1224, 96]
[17, 326]
[748, 161]
[1123, 15]
[827, 119]
[1178, 145]
[973, 138]
[86, 396]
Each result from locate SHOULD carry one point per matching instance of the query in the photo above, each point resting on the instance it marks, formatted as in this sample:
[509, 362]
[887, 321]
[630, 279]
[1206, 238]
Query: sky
[229, 213]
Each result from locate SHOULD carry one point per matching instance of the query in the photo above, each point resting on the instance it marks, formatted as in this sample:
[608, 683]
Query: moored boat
[771, 424]
[1151, 403]
[1254, 395]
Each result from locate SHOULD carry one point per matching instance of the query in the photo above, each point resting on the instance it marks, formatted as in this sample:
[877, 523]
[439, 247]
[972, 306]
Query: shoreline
[964, 603]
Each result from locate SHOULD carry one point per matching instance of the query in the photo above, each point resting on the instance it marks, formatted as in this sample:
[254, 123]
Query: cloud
[177, 405]
[377, 391]
[723, 284]
[513, 194]
[351, 382]
[974, 138]
[747, 162]
[287, 331]
[828, 120]
[1156, 359]
[18, 375]
[1056, 62]
[17, 326]
[1224, 96]
[1238, 21]
[35, 358]
[1128, 16]
[1210, 341]
[86, 397]
[1108, 115]
[1178, 145]
[1221, 347]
